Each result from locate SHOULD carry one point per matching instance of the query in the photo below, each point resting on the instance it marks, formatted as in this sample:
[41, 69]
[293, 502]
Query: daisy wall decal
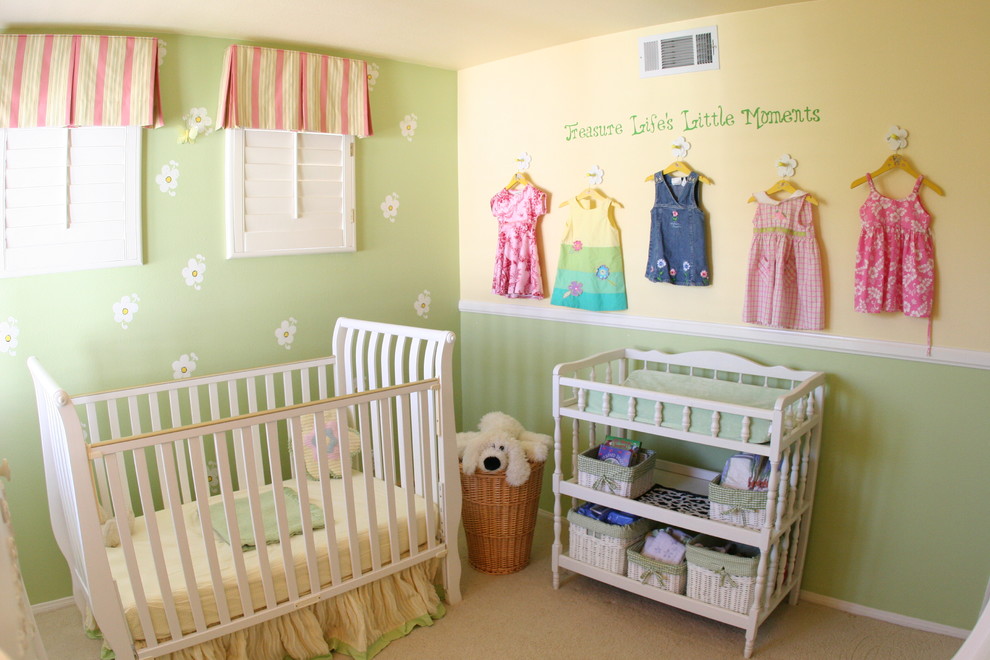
[422, 304]
[168, 178]
[125, 309]
[193, 272]
[373, 72]
[184, 366]
[390, 207]
[8, 336]
[408, 125]
[285, 334]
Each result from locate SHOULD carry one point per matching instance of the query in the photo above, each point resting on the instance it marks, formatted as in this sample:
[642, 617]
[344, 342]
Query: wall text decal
[691, 120]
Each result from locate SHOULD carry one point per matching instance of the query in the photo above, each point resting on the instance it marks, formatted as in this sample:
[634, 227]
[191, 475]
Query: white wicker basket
[603, 545]
[747, 508]
[721, 579]
[669, 577]
[619, 480]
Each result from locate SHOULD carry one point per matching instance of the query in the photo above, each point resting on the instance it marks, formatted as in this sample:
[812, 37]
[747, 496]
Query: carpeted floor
[520, 616]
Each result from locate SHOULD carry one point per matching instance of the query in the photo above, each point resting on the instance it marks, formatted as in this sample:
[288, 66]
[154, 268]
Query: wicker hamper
[499, 519]
[737, 507]
[601, 544]
[628, 482]
[722, 579]
[669, 577]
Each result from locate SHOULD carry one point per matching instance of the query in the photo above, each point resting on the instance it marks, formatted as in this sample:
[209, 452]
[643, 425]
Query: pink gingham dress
[784, 286]
[895, 261]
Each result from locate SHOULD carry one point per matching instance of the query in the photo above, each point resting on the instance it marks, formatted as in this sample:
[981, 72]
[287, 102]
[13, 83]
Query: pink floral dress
[517, 261]
[895, 261]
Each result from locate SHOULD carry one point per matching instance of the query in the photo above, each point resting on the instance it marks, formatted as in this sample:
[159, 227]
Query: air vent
[678, 52]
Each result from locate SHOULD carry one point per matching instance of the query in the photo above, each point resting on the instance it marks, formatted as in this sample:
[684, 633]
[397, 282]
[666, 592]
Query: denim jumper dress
[678, 245]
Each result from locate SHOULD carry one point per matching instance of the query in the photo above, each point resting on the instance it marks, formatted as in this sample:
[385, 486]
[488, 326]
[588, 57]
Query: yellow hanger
[683, 168]
[517, 179]
[595, 194]
[785, 185]
[897, 161]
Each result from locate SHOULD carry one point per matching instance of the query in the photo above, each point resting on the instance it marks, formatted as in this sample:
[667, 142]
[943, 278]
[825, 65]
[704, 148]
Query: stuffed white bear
[502, 444]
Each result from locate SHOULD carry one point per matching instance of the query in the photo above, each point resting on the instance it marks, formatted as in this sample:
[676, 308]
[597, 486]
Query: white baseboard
[51, 605]
[860, 610]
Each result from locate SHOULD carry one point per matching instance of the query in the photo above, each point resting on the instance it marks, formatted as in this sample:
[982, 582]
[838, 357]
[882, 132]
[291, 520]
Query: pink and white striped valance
[78, 80]
[287, 90]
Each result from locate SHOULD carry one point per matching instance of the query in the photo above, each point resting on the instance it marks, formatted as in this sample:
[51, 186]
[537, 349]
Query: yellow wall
[863, 66]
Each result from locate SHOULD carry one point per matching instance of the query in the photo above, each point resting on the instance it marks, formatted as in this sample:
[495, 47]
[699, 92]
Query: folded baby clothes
[746, 472]
[662, 546]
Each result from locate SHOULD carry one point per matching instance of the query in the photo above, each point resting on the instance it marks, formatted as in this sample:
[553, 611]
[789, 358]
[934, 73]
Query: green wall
[899, 520]
[67, 320]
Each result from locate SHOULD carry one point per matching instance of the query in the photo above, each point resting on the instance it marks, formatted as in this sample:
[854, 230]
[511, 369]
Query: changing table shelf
[715, 400]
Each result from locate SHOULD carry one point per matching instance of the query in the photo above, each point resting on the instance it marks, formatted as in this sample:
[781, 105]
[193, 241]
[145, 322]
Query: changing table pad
[707, 389]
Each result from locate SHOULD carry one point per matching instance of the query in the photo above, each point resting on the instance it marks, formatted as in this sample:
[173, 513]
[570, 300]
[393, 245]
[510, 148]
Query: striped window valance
[287, 90]
[59, 80]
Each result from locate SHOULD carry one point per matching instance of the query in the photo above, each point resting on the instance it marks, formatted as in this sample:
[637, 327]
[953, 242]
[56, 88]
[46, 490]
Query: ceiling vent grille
[678, 52]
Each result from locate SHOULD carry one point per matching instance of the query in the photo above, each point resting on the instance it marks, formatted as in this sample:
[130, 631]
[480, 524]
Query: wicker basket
[628, 482]
[737, 507]
[499, 519]
[601, 544]
[721, 579]
[669, 577]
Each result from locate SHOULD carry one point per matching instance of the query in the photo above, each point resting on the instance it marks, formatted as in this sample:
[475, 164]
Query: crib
[260, 513]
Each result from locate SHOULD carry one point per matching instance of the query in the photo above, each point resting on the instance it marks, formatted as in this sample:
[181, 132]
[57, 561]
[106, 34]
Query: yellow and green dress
[589, 271]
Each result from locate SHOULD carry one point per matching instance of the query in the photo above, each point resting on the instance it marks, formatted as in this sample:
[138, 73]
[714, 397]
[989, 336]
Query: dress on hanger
[678, 252]
[784, 285]
[589, 273]
[517, 260]
[895, 259]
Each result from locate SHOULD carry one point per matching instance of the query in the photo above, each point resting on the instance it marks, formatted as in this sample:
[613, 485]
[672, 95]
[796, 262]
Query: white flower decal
[184, 366]
[408, 126]
[161, 51]
[286, 333]
[124, 311]
[680, 148]
[422, 304]
[197, 123]
[523, 161]
[390, 207]
[896, 137]
[8, 336]
[372, 76]
[193, 272]
[595, 175]
[213, 477]
[168, 180]
[786, 165]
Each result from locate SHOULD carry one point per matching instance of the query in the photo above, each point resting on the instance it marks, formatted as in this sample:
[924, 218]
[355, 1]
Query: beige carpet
[521, 616]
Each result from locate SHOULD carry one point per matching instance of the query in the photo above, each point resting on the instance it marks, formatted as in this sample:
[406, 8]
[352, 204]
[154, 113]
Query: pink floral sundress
[895, 260]
[517, 259]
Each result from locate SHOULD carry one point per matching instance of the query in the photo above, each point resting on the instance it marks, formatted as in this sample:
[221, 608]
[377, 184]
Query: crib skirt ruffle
[358, 623]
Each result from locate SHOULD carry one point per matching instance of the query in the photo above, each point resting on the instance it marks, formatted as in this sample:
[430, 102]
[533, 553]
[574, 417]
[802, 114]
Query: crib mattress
[697, 387]
[251, 558]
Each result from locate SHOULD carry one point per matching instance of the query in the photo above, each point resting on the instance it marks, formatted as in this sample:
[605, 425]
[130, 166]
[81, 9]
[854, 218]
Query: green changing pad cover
[245, 526]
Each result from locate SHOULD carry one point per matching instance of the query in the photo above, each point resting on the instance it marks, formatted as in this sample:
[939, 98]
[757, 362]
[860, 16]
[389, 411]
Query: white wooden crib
[201, 573]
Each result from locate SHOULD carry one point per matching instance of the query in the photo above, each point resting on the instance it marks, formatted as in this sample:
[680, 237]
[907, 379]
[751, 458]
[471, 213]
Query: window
[289, 193]
[70, 199]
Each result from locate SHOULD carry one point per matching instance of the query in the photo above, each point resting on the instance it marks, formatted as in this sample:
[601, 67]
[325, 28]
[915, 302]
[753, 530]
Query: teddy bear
[502, 444]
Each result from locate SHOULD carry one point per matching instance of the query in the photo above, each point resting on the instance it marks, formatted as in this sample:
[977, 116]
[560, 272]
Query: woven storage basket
[738, 507]
[499, 519]
[722, 579]
[628, 482]
[601, 544]
[669, 577]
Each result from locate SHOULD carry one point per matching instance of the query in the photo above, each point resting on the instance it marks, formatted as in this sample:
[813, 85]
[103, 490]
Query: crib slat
[235, 409]
[155, 539]
[248, 437]
[349, 508]
[374, 542]
[329, 513]
[388, 462]
[173, 501]
[135, 416]
[118, 496]
[302, 488]
[93, 424]
[428, 461]
[230, 519]
[406, 442]
[281, 513]
[180, 447]
[198, 463]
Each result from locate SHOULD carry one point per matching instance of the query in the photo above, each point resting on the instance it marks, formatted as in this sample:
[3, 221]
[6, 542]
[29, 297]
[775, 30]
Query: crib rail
[394, 425]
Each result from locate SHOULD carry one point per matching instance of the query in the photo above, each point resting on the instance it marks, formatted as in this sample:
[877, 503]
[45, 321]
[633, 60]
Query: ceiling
[450, 34]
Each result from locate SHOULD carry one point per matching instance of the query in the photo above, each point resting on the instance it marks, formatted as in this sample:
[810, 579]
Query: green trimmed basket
[718, 578]
[601, 544]
[619, 480]
[747, 508]
[669, 577]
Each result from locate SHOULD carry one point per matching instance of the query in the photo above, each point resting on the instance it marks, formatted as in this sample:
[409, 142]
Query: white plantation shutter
[289, 193]
[71, 199]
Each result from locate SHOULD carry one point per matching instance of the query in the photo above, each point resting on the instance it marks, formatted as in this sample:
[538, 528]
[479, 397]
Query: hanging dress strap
[917, 184]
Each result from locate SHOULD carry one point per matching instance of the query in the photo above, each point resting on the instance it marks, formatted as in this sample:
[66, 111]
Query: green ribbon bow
[606, 481]
[725, 578]
[647, 574]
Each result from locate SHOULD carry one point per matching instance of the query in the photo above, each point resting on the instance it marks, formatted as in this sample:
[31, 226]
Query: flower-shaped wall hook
[786, 165]
[595, 175]
[680, 148]
[523, 161]
[896, 137]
